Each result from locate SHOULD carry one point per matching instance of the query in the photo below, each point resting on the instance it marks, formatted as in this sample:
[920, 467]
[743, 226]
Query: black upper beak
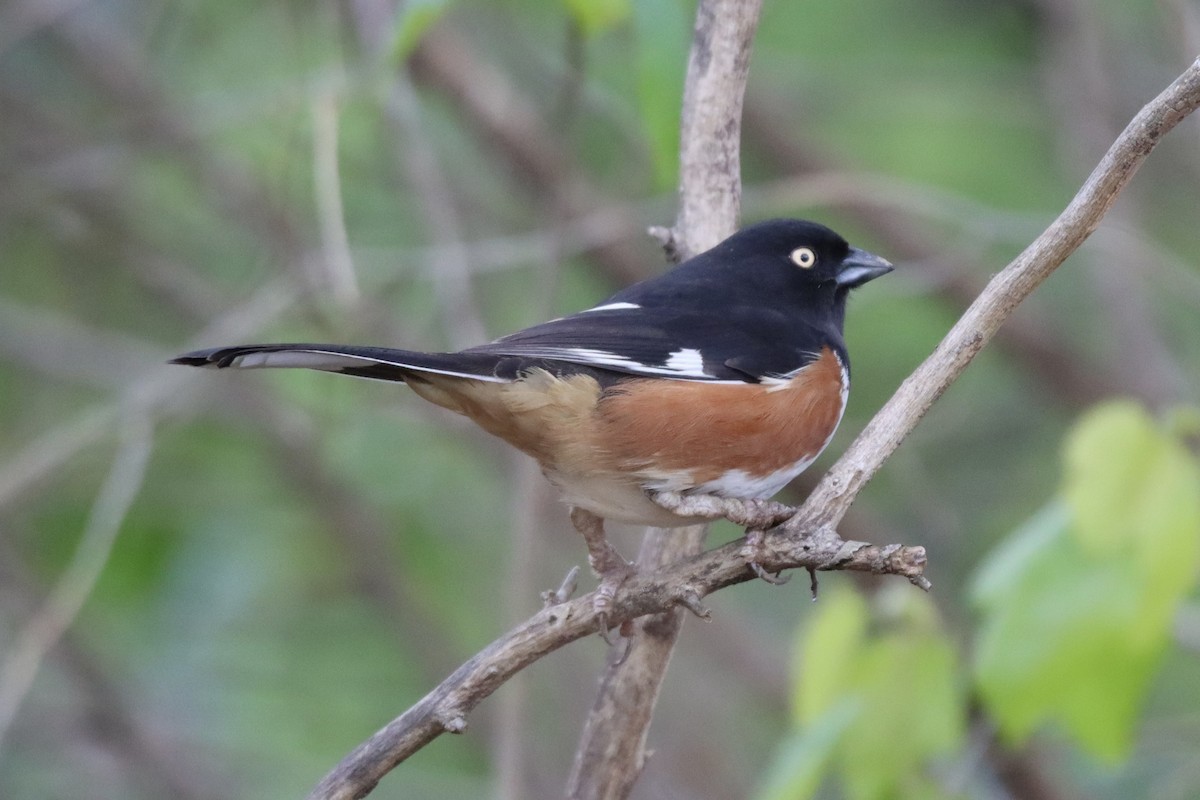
[860, 266]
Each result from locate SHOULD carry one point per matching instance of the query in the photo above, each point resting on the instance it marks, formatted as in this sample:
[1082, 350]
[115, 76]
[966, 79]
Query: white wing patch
[685, 363]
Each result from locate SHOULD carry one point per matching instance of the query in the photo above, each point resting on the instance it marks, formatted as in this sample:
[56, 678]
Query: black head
[798, 269]
[794, 250]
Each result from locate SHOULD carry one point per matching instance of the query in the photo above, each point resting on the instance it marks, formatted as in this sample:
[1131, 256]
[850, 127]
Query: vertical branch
[710, 177]
[336, 263]
[611, 752]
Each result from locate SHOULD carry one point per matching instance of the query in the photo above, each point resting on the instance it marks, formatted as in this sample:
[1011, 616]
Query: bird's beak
[860, 266]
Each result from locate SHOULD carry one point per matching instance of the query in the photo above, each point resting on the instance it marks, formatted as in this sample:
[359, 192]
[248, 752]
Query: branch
[828, 502]
[612, 749]
[808, 540]
[73, 588]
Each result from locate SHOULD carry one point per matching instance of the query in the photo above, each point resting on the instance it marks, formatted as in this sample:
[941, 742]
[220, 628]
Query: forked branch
[809, 539]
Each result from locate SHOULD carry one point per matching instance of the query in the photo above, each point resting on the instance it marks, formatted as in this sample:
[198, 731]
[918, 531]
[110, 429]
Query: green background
[307, 555]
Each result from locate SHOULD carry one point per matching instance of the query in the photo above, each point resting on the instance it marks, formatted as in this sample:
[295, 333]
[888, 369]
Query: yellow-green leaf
[799, 767]
[1109, 455]
[598, 16]
[913, 707]
[1078, 605]
[416, 17]
[826, 654]
[663, 32]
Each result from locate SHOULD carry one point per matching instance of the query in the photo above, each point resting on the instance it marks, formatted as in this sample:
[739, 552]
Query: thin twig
[445, 709]
[336, 265]
[810, 540]
[158, 387]
[71, 591]
[508, 124]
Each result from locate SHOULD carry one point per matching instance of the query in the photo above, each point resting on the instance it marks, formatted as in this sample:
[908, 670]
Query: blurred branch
[146, 746]
[612, 748]
[25, 655]
[105, 58]
[1083, 94]
[414, 151]
[336, 264]
[1021, 772]
[156, 388]
[807, 540]
[450, 267]
[508, 123]
[1031, 339]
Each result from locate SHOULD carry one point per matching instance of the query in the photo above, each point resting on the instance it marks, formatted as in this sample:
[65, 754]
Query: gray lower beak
[860, 266]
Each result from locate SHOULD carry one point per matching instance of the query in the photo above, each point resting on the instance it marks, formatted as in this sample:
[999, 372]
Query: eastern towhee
[694, 395]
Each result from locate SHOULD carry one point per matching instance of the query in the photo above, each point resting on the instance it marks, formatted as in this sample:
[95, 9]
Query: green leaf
[663, 32]
[1135, 491]
[1053, 649]
[1078, 604]
[1108, 457]
[594, 17]
[1005, 568]
[913, 705]
[893, 700]
[826, 654]
[798, 768]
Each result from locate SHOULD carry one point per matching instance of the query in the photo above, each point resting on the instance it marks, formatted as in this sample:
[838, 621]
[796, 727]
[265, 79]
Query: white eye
[804, 257]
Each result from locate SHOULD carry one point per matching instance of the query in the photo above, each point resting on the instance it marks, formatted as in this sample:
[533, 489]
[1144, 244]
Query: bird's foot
[753, 552]
[606, 562]
[752, 514]
[611, 580]
[756, 516]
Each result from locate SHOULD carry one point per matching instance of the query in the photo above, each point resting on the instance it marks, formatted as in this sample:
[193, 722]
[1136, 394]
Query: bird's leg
[605, 561]
[756, 516]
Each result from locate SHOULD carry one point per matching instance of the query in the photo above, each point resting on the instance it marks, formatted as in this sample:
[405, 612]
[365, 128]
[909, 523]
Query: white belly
[619, 498]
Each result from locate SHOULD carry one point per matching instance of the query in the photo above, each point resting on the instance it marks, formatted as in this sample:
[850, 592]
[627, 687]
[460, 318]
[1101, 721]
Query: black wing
[729, 345]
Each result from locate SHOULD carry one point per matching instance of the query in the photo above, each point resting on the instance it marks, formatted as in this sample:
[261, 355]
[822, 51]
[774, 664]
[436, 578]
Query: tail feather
[378, 363]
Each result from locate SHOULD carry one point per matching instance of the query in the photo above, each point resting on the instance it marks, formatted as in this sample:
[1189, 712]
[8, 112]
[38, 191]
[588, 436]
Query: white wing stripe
[332, 362]
[611, 307]
[684, 364]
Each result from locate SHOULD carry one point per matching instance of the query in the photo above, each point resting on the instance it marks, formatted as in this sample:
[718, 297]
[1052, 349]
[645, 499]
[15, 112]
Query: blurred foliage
[891, 697]
[308, 555]
[1076, 617]
[1080, 604]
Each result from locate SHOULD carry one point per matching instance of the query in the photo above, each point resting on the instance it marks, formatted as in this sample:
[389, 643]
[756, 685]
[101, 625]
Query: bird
[693, 395]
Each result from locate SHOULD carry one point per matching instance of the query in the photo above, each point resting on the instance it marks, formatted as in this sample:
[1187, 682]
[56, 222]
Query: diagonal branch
[809, 539]
[829, 501]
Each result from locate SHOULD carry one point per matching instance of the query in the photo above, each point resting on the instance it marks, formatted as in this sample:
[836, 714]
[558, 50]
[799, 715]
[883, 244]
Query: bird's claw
[773, 578]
